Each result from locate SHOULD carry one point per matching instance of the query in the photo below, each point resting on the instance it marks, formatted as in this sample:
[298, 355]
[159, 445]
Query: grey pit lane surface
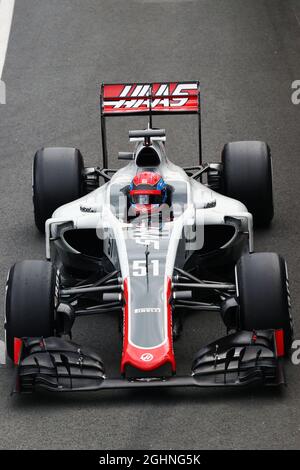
[246, 55]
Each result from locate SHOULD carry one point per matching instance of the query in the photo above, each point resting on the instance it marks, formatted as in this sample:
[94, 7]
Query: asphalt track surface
[246, 55]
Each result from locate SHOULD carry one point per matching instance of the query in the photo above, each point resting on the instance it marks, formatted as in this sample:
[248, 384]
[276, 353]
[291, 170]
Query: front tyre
[263, 294]
[30, 302]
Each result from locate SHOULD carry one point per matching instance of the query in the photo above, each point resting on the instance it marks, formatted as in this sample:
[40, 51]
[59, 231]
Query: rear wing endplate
[148, 99]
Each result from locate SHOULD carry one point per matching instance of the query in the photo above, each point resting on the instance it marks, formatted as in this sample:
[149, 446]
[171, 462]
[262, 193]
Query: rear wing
[148, 99]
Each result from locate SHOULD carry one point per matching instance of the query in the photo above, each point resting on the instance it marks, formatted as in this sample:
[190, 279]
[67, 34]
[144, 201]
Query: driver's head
[147, 192]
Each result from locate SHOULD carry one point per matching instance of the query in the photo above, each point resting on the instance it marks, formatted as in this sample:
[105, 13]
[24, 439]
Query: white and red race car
[151, 243]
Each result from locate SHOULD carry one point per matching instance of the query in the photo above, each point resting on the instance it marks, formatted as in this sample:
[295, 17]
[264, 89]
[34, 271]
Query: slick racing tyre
[247, 177]
[57, 180]
[263, 294]
[30, 302]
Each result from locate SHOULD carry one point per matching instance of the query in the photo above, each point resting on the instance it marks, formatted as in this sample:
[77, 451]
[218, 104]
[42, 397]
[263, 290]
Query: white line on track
[6, 15]
[2, 353]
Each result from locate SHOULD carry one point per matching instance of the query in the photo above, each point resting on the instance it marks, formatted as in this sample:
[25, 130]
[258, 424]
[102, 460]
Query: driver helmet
[147, 192]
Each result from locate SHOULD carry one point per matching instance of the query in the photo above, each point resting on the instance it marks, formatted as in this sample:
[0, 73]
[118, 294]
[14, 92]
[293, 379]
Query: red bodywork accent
[279, 339]
[17, 350]
[160, 355]
[155, 97]
[254, 337]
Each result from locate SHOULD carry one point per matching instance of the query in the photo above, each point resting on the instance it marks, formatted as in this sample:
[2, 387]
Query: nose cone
[148, 341]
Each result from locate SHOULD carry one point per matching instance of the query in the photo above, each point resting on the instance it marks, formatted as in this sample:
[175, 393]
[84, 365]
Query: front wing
[237, 360]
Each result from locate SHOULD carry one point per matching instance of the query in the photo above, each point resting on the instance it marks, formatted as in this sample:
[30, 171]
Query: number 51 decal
[140, 267]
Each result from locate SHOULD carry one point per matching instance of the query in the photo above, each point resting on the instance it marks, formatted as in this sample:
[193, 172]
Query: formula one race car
[150, 244]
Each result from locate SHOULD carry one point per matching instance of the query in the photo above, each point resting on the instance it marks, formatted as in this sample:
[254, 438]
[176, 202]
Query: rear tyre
[247, 177]
[30, 302]
[263, 294]
[57, 180]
